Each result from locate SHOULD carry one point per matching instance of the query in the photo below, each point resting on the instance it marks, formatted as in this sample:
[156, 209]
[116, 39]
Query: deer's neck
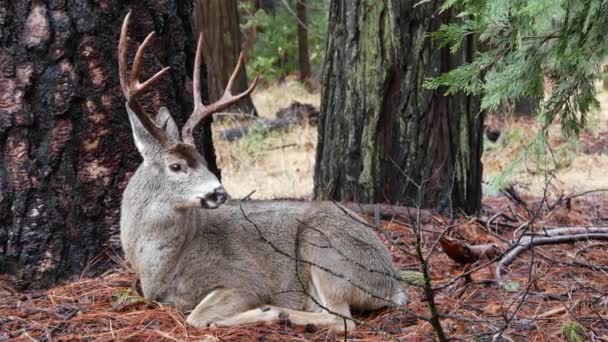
[153, 237]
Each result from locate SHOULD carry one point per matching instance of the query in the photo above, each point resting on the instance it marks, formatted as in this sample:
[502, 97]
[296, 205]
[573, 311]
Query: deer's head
[173, 168]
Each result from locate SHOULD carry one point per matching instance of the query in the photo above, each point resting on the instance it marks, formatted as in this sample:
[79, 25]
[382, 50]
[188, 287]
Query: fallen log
[235, 133]
[295, 114]
[389, 211]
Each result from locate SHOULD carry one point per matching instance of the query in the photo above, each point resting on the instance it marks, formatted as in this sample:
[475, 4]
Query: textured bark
[381, 134]
[303, 58]
[66, 145]
[219, 22]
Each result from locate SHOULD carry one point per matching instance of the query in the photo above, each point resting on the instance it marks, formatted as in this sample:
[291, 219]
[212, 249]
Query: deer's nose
[219, 195]
[214, 199]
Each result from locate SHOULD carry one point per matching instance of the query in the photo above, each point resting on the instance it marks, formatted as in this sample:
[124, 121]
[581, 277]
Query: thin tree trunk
[267, 5]
[218, 20]
[66, 145]
[527, 107]
[382, 136]
[303, 58]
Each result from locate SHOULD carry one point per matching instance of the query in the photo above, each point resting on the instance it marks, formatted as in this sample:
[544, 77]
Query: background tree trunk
[381, 134]
[219, 22]
[267, 5]
[67, 148]
[303, 59]
[527, 107]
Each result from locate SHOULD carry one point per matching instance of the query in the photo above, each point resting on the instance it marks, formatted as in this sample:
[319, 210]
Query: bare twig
[526, 242]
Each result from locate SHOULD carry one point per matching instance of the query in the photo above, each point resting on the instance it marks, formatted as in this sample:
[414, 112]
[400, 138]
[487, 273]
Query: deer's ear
[166, 122]
[145, 142]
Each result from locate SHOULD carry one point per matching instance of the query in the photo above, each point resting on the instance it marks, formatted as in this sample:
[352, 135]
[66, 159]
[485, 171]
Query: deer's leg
[335, 315]
[221, 304]
[272, 314]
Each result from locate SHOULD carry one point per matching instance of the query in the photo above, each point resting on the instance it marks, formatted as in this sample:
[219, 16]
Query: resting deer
[238, 263]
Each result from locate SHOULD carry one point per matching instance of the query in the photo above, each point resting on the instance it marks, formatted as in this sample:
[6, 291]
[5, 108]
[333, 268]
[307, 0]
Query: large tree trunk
[67, 148]
[218, 20]
[382, 136]
[303, 59]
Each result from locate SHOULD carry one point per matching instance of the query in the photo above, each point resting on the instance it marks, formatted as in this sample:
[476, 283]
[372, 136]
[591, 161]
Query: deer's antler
[132, 87]
[201, 111]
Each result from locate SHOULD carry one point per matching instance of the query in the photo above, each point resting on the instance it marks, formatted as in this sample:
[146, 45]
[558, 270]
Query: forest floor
[280, 164]
[276, 164]
[556, 292]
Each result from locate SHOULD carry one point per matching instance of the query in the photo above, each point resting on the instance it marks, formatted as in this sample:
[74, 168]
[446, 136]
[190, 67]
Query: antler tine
[235, 73]
[122, 57]
[201, 111]
[196, 77]
[194, 119]
[137, 63]
[131, 87]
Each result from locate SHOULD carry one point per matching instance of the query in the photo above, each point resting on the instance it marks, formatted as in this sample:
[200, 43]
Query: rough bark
[382, 136]
[303, 58]
[66, 145]
[218, 20]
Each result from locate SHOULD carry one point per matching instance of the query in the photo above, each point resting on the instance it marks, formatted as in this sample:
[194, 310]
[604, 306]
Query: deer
[232, 263]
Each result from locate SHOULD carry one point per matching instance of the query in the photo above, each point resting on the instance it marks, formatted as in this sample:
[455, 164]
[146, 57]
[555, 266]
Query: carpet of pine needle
[554, 290]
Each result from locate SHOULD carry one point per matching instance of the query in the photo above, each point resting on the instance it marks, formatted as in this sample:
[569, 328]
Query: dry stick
[570, 230]
[525, 227]
[557, 311]
[593, 245]
[576, 318]
[576, 263]
[248, 196]
[526, 242]
[528, 224]
[575, 195]
[429, 293]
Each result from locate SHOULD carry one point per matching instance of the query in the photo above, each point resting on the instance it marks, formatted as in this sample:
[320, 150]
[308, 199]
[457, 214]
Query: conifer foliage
[527, 44]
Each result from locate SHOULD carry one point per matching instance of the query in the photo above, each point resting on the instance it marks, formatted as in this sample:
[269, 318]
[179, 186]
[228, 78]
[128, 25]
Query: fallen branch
[232, 134]
[558, 311]
[553, 312]
[295, 114]
[528, 241]
[556, 231]
[465, 253]
[388, 211]
[593, 245]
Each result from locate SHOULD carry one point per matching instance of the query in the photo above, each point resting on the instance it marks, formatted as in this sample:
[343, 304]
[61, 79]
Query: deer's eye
[175, 167]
